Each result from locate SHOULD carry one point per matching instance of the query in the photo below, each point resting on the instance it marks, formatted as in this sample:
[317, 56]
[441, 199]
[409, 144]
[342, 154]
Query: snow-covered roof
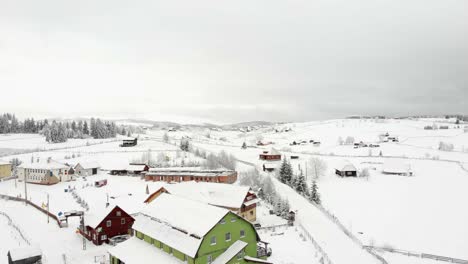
[169, 235]
[24, 253]
[88, 164]
[175, 219]
[230, 253]
[44, 164]
[225, 195]
[270, 165]
[345, 165]
[136, 251]
[134, 167]
[97, 216]
[272, 151]
[396, 166]
[256, 260]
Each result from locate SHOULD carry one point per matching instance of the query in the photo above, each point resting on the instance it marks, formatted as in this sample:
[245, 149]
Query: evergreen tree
[314, 194]
[244, 145]
[85, 128]
[285, 172]
[300, 184]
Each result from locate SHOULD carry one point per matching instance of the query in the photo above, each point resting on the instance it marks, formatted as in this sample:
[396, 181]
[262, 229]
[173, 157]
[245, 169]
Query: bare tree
[316, 167]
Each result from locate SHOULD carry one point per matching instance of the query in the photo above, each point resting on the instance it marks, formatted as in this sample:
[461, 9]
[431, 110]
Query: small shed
[137, 168]
[25, 255]
[397, 167]
[87, 168]
[345, 169]
[269, 167]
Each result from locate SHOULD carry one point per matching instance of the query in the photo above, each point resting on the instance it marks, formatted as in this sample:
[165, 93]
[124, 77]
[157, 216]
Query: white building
[397, 167]
[87, 168]
[45, 172]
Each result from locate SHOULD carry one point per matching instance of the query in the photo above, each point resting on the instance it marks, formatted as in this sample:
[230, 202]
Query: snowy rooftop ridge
[88, 164]
[230, 253]
[225, 195]
[43, 164]
[194, 217]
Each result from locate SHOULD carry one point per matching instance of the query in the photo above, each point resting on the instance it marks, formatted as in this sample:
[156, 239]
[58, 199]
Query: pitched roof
[196, 172]
[44, 164]
[94, 219]
[230, 253]
[134, 167]
[24, 253]
[88, 164]
[185, 214]
[345, 165]
[136, 251]
[225, 195]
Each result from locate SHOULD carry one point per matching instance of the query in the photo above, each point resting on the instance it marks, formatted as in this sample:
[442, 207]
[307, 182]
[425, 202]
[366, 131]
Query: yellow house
[5, 169]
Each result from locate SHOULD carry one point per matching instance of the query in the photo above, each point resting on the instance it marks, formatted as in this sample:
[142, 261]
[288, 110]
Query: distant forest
[56, 131]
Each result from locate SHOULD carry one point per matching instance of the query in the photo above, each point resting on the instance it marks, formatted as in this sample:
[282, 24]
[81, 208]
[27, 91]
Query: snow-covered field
[423, 213]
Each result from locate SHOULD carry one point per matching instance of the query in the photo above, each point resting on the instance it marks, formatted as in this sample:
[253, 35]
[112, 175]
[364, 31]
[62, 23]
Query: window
[242, 233]
[103, 237]
[251, 212]
[223, 221]
[170, 250]
[233, 219]
[108, 223]
[122, 221]
[228, 236]
[119, 213]
[209, 259]
[213, 240]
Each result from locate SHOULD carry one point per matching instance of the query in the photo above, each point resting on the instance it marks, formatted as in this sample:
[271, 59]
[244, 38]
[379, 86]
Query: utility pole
[25, 187]
[48, 210]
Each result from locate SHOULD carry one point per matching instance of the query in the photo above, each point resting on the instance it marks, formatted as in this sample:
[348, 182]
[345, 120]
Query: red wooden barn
[273, 154]
[110, 223]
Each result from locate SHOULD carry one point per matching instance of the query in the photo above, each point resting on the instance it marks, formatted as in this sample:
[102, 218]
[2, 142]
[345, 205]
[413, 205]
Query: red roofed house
[273, 154]
[110, 223]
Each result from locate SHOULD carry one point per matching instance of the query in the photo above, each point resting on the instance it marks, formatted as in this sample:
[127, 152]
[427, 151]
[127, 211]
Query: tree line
[57, 131]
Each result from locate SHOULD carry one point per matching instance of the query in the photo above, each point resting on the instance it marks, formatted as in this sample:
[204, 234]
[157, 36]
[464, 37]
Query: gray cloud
[233, 61]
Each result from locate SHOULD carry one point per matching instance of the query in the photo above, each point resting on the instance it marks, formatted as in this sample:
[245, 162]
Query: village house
[111, 222]
[197, 174]
[271, 155]
[172, 229]
[87, 168]
[5, 169]
[397, 167]
[45, 172]
[238, 199]
[345, 169]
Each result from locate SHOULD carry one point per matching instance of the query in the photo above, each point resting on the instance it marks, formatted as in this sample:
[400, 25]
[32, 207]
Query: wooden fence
[42, 210]
[420, 255]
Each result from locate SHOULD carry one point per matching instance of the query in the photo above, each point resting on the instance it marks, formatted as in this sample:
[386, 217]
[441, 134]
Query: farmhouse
[345, 169]
[45, 172]
[129, 142]
[87, 168]
[273, 154]
[181, 174]
[173, 229]
[111, 222]
[397, 167]
[5, 169]
[25, 255]
[238, 199]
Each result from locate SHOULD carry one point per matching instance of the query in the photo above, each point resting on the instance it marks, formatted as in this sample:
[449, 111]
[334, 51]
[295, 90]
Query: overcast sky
[229, 61]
